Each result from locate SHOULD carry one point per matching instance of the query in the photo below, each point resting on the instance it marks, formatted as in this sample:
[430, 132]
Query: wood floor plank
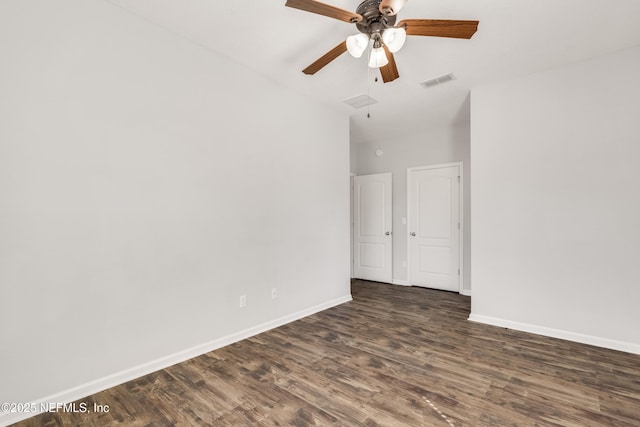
[394, 356]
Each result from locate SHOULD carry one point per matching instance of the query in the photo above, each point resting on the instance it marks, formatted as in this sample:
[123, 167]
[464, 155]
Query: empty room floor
[394, 356]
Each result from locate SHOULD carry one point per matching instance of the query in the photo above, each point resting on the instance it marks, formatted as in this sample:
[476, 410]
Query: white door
[372, 250]
[434, 227]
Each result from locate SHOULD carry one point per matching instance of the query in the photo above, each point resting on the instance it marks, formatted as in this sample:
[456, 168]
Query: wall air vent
[360, 101]
[438, 80]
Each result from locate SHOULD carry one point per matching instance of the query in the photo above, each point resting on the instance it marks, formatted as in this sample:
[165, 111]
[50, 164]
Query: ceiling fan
[376, 22]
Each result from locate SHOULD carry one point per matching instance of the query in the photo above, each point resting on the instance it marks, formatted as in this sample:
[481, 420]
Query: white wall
[433, 146]
[353, 159]
[556, 206]
[145, 184]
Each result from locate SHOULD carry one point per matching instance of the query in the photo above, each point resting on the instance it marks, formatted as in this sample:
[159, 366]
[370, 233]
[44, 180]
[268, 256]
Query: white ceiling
[514, 38]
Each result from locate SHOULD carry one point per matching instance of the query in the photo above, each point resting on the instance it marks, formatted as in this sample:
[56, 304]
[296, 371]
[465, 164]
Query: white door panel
[372, 227]
[372, 255]
[372, 200]
[434, 227]
[434, 209]
[434, 260]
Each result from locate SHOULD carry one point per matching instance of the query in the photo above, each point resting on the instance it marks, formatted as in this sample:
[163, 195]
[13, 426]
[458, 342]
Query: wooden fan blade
[439, 28]
[391, 7]
[326, 58]
[389, 72]
[324, 9]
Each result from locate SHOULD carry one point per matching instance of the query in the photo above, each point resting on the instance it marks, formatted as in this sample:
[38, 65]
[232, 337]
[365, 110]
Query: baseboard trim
[400, 282]
[627, 347]
[100, 384]
[465, 292]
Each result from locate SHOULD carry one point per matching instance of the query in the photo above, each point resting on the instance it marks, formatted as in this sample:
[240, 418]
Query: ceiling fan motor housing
[373, 21]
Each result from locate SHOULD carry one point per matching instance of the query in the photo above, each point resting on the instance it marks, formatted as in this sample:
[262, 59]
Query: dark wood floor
[395, 356]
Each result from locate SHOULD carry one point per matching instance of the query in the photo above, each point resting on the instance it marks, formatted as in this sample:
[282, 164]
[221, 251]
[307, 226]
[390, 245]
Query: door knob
[387, 233]
[413, 233]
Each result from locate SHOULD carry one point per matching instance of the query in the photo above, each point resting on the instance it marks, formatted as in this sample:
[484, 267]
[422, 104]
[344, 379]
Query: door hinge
[458, 179]
[458, 272]
[458, 225]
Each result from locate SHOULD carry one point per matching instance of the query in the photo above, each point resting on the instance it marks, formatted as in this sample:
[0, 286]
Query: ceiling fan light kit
[392, 38]
[376, 22]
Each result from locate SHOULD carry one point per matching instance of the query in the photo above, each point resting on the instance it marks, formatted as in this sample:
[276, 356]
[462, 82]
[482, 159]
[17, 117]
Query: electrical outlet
[243, 301]
[274, 293]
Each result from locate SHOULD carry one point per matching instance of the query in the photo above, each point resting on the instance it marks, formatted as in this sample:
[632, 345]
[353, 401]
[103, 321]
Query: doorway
[434, 220]
[372, 233]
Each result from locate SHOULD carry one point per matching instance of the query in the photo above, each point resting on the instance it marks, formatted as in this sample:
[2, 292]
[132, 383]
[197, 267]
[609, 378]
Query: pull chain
[369, 85]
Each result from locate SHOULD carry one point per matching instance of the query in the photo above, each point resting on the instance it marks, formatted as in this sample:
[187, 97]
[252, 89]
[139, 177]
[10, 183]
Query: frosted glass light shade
[391, 7]
[378, 58]
[394, 38]
[356, 45]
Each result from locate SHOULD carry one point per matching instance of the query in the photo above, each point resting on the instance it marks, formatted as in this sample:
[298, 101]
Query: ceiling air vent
[438, 80]
[360, 101]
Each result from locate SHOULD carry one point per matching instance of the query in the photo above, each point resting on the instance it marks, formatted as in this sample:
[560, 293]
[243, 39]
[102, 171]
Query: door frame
[351, 221]
[461, 216]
